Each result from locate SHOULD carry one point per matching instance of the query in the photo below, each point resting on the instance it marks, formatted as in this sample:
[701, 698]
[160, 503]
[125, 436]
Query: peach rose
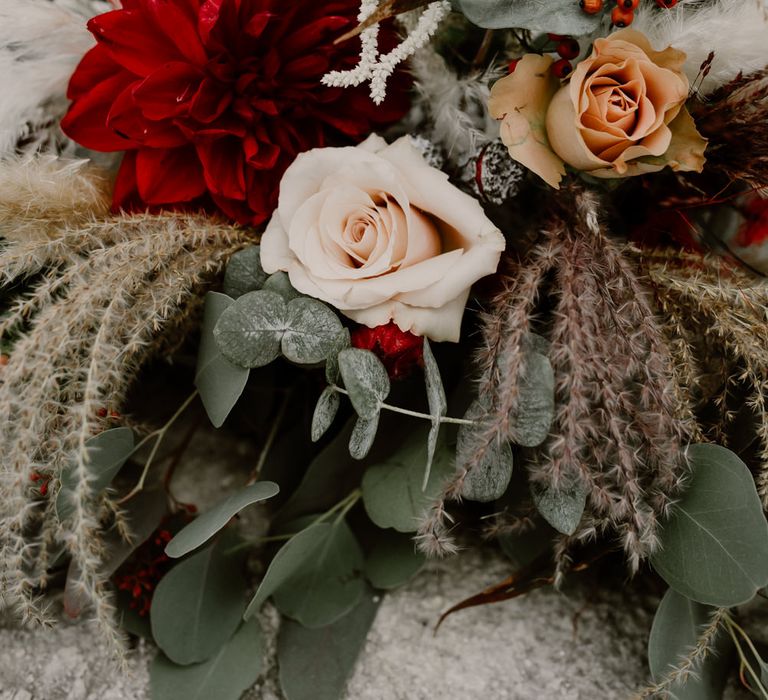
[381, 236]
[622, 113]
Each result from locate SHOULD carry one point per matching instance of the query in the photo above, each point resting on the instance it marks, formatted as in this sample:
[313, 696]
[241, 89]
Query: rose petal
[521, 100]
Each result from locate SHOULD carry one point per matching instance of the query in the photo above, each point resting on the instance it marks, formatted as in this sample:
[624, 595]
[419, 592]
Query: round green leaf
[219, 382]
[205, 526]
[327, 584]
[677, 626]
[280, 283]
[225, 676]
[341, 342]
[244, 272]
[325, 411]
[311, 331]
[562, 508]
[557, 16]
[393, 561]
[392, 490]
[366, 380]
[198, 605]
[316, 663]
[532, 418]
[714, 548]
[249, 331]
[362, 438]
[487, 480]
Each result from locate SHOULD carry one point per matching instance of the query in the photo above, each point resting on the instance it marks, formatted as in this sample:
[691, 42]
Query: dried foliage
[99, 298]
[718, 312]
[734, 119]
[621, 424]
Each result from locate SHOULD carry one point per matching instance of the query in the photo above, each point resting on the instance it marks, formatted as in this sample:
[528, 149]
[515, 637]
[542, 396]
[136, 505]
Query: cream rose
[622, 112]
[381, 236]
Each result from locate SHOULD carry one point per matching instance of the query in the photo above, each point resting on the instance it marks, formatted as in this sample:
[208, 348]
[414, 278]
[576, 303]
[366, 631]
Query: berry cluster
[624, 12]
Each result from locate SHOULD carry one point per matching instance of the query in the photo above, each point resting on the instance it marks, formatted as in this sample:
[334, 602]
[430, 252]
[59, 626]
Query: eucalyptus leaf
[554, 16]
[248, 332]
[325, 411]
[198, 604]
[220, 382]
[714, 547]
[392, 490]
[532, 418]
[438, 404]
[206, 525]
[562, 508]
[225, 676]
[363, 436]
[311, 331]
[244, 272]
[487, 480]
[328, 583]
[106, 453]
[280, 283]
[314, 577]
[537, 343]
[392, 561]
[315, 664]
[341, 342]
[366, 380]
[677, 626]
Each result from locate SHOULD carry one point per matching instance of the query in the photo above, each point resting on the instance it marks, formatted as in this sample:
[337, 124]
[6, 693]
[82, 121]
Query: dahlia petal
[210, 102]
[132, 41]
[86, 121]
[179, 26]
[168, 91]
[95, 67]
[126, 119]
[208, 17]
[309, 36]
[223, 165]
[257, 24]
[306, 67]
[126, 192]
[167, 176]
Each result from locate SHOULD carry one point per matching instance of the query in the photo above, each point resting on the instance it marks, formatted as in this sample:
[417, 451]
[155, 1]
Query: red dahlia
[400, 351]
[213, 99]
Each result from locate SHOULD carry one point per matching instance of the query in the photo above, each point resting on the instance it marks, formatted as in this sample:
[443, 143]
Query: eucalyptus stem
[414, 414]
[159, 435]
[732, 628]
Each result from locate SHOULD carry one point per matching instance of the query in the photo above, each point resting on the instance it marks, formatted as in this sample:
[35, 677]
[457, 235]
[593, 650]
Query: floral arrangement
[473, 273]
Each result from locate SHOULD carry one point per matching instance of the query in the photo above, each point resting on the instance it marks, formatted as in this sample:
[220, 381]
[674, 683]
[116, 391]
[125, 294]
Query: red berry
[628, 4]
[513, 65]
[562, 68]
[591, 7]
[102, 412]
[4, 360]
[666, 4]
[622, 18]
[568, 48]
[44, 488]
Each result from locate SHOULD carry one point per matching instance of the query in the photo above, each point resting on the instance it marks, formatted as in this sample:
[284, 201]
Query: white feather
[41, 43]
[736, 31]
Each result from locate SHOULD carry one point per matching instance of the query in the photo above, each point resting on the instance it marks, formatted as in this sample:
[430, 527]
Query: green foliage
[280, 282]
[362, 438]
[438, 404]
[714, 548]
[366, 380]
[328, 583]
[225, 676]
[489, 479]
[220, 382]
[249, 331]
[392, 490]
[530, 423]
[316, 663]
[244, 272]
[556, 16]
[325, 411]
[205, 526]
[257, 327]
[341, 342]
[311, 331]
[198, 604]
[315, 576]
[677, 627]
[107, 452]
[562, 508]
[392, 561]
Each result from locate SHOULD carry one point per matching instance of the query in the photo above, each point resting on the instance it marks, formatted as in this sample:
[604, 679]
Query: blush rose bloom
[381, 236]
[622, 113]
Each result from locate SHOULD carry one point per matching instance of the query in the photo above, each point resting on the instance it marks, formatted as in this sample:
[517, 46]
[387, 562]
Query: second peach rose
[622, 113]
